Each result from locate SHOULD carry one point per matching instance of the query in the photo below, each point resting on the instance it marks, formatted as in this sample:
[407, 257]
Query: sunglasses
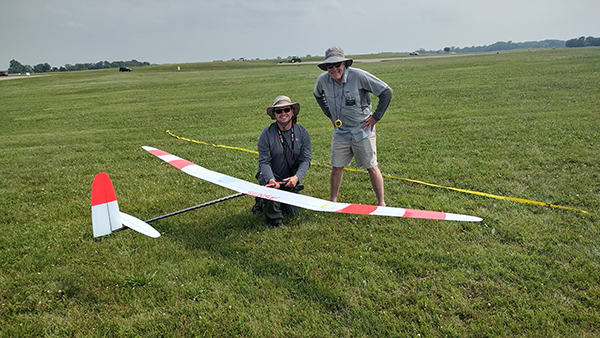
[334, 65]
[279, 111]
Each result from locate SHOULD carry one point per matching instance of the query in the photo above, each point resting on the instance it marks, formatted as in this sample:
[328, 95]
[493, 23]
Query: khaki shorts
[363, 151]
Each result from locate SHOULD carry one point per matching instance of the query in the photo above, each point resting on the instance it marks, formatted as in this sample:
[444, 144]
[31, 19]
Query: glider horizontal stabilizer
[302, 201]
[106, 217]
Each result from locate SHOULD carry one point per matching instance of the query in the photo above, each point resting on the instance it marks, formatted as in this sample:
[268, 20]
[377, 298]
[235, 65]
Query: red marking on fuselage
[358, 209]
[257, 194]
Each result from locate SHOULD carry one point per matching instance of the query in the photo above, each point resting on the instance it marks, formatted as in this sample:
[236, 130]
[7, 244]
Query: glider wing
[303, 201]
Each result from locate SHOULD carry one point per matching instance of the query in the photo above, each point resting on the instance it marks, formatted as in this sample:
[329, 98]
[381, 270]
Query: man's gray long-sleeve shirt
[275, 158]
[350, 101]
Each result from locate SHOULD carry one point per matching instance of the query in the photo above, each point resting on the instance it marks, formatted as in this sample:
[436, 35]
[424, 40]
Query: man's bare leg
[336, 182]
[377, 183]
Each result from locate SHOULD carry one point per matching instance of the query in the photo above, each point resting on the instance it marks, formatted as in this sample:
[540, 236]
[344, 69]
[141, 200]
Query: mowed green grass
[520, 124]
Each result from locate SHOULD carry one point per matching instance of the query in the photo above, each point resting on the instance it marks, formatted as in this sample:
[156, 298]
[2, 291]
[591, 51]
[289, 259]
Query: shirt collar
[345, 76]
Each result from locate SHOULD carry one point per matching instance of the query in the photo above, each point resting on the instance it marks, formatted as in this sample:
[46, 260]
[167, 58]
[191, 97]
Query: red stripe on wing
[411, 213]
[158, 152]
[180, 164]
[358, 209]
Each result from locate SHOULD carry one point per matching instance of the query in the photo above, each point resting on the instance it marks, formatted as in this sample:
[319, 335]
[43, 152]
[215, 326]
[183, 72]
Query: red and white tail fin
[106, 217]
[105, 209]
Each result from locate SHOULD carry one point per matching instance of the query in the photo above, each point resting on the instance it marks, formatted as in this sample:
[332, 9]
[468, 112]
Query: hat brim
[334, 59]
[295, 105]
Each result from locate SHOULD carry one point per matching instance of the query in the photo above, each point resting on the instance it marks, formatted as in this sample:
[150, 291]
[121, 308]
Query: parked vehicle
[3, 74]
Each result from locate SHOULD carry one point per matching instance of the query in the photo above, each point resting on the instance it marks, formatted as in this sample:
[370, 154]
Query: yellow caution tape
[513, 199]
[211, 144]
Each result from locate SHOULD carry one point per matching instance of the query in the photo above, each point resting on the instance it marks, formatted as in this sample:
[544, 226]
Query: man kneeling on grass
[284, 155]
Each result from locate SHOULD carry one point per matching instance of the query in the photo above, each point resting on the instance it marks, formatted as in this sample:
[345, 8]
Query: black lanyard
[283, 142]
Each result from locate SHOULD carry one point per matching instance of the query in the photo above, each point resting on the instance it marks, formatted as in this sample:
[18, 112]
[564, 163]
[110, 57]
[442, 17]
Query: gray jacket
[275, 158]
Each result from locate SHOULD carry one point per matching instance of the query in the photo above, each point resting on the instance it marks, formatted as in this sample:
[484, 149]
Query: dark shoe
[278, 224]
[257, 207]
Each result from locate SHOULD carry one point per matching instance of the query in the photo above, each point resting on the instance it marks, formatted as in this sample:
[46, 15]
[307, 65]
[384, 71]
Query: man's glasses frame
[334, 65]
[279, 111]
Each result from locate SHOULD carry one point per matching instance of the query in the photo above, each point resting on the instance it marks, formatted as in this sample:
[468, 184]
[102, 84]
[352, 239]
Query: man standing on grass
[343, 93]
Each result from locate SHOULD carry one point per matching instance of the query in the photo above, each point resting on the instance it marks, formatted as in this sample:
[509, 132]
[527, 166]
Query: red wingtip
[102, 190]
[158, 152]
[411, 213]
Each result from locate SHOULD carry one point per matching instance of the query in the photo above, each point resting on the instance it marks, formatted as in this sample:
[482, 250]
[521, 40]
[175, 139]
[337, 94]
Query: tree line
[590, 41]
[501, 45]
[545, 44]
[17, 68]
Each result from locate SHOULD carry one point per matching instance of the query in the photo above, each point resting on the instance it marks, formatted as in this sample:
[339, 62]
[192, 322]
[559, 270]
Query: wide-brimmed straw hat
[283, 101]
[334, 55]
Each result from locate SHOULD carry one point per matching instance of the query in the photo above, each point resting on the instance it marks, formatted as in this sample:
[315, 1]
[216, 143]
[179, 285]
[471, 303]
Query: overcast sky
[63, 32]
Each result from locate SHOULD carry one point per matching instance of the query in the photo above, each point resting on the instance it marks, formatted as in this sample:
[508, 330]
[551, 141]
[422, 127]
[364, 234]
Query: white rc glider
[105, 211]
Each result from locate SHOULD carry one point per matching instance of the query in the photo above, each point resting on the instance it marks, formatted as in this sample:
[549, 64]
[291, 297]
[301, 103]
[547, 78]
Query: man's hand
[369, 123]
[272, 184]
[291, 181]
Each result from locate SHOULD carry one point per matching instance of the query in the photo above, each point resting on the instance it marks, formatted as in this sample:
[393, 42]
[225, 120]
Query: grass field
[520, 124]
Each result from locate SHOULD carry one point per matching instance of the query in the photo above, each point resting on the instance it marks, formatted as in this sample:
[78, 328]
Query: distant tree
[77, 66]
[42, 68]
[576, 42]
[590, 41]
[16, 67]
[447, 49]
